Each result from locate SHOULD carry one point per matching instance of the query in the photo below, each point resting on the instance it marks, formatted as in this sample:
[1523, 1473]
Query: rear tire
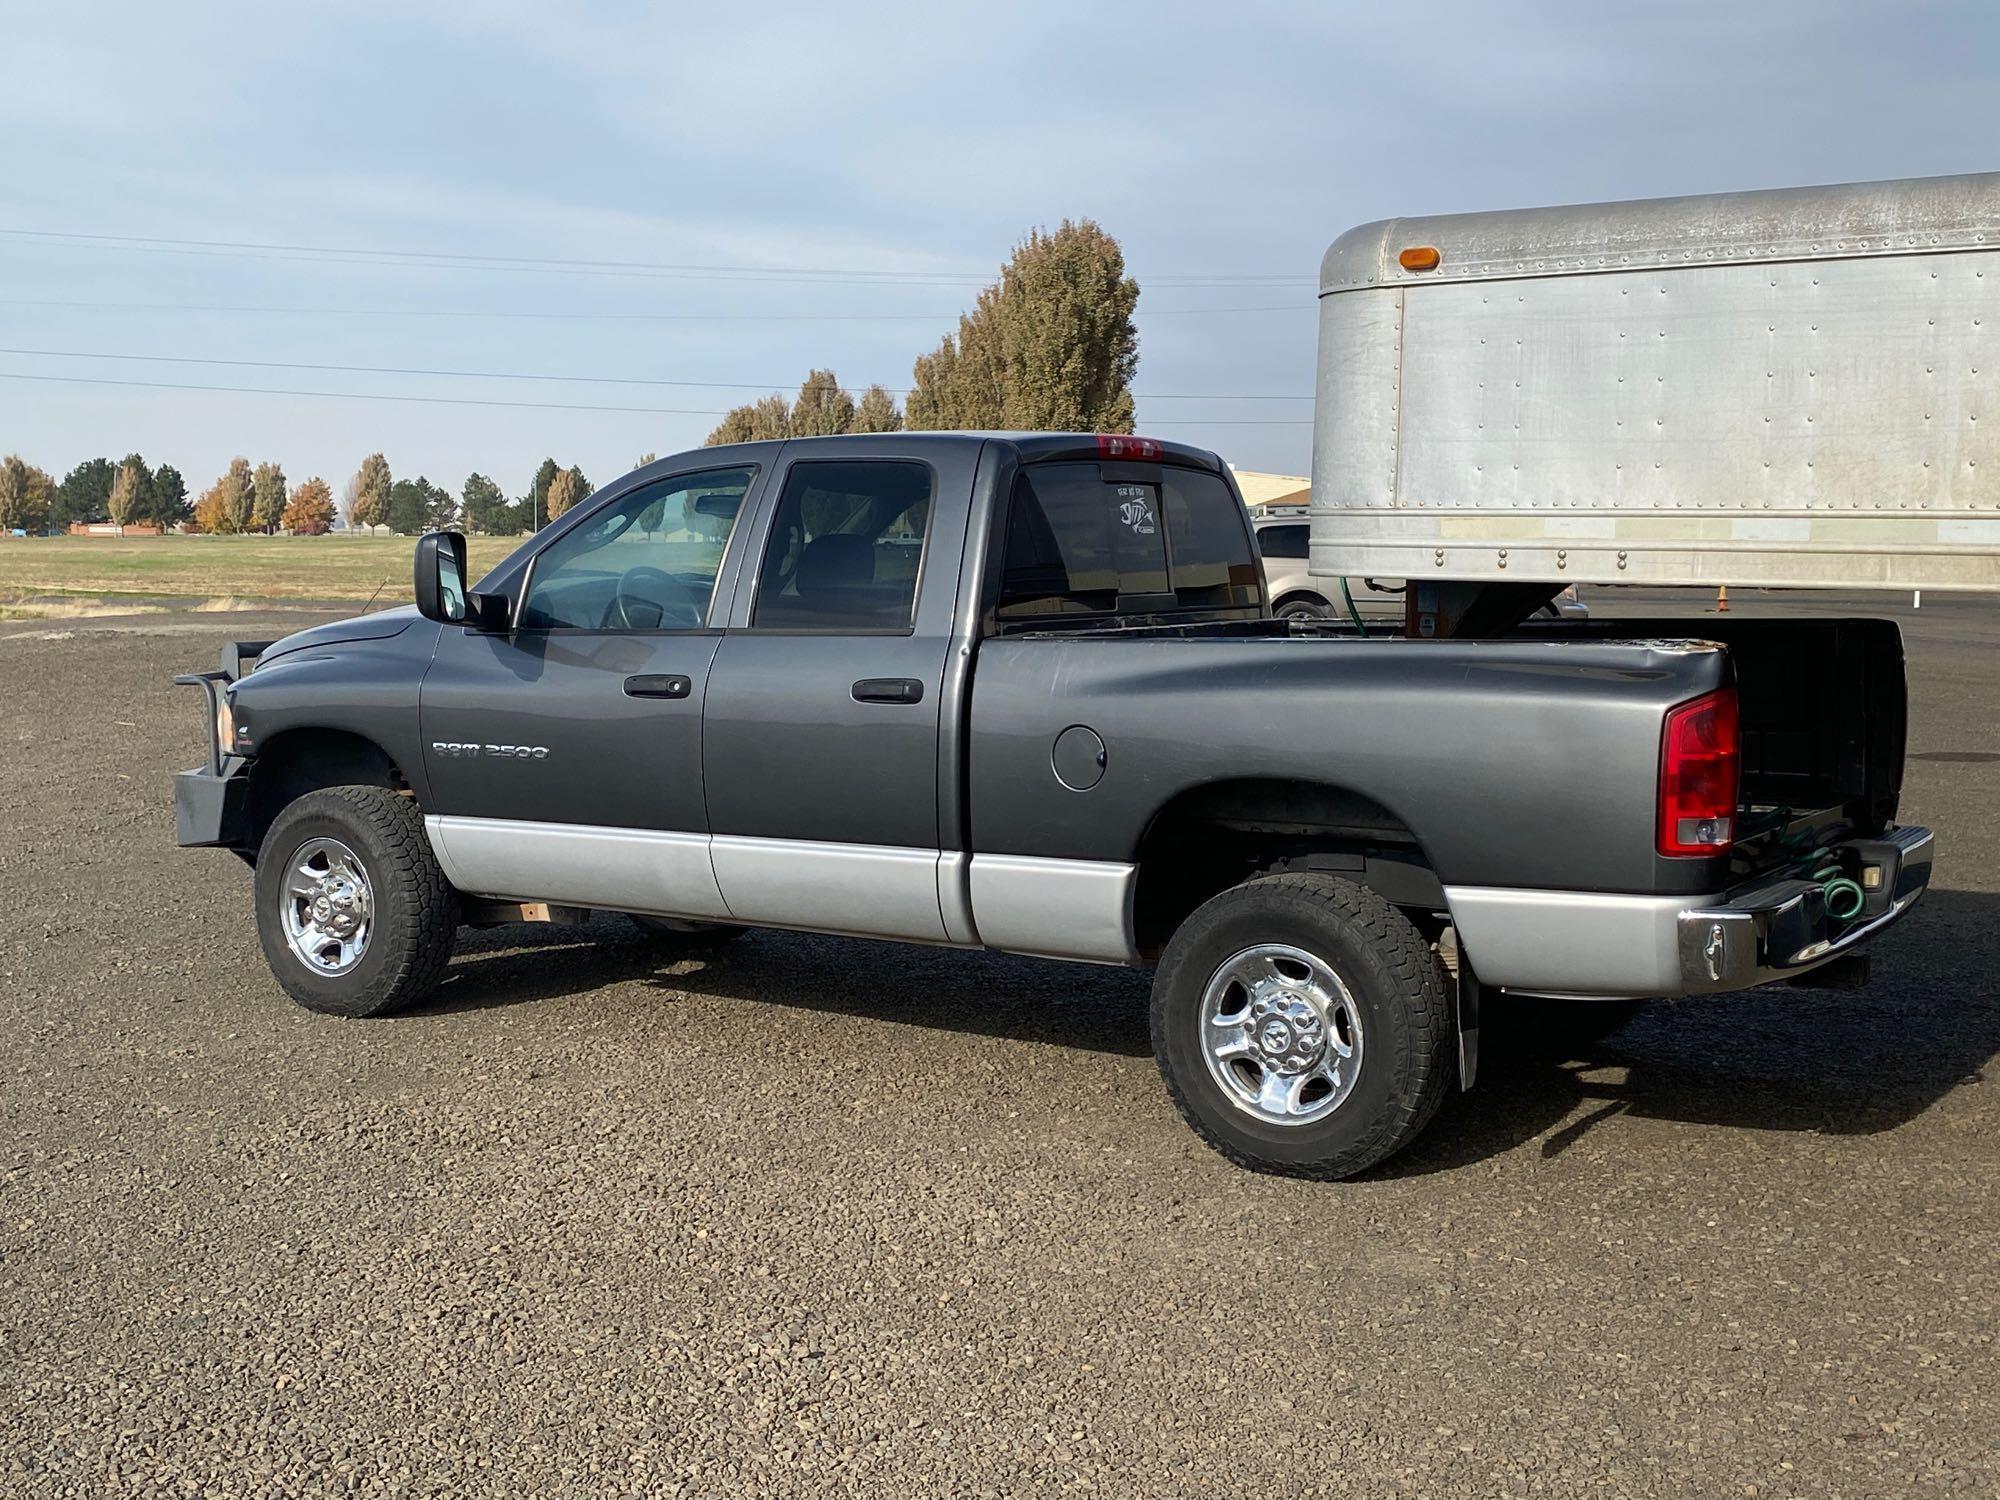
[1302, 1026]
[354, 914]
[1306, 608]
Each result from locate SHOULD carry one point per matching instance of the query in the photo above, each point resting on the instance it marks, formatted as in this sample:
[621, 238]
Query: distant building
[1260, 490]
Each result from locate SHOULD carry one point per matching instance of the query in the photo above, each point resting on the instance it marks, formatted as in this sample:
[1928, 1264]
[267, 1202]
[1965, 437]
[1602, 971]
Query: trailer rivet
[1562, 557]
[1437, 557]
[1621, 560]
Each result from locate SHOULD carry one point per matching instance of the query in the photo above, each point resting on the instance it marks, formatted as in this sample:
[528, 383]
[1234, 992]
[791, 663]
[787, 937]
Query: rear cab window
[1095, 539]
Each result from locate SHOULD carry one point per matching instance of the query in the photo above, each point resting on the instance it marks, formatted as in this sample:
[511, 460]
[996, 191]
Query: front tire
[354, 914]
[1302, 1026]
[1306, 607]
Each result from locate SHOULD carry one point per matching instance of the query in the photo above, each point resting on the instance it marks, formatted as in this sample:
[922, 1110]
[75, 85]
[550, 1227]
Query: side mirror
[440, 577]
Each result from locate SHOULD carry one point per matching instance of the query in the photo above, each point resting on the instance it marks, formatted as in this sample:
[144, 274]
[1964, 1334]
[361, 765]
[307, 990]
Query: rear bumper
[211, 809]
[1590, 944]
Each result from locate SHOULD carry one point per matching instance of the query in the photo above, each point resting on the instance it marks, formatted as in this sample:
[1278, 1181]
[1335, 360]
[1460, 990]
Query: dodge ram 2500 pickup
[1021, 692]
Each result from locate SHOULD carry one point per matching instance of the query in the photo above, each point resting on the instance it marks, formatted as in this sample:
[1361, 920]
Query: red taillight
[1117, 445]
[1700, 765]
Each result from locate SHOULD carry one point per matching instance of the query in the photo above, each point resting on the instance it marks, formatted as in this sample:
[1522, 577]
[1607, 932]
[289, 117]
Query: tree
[563, 492]
[267, 497]
[309, 511]
[733, 428]
[822, 407]
[1050, 345]
[170, 502]
[26, 495]
[85, 493]
[131, 492]
[418, 505]
[646, 458]
[225, 505]
[487, 510]
[370, 505]
[537, 498]
[876, 412]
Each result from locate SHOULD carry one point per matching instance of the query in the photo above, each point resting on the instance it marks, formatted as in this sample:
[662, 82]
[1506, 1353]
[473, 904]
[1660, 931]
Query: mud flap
[1467, 1010]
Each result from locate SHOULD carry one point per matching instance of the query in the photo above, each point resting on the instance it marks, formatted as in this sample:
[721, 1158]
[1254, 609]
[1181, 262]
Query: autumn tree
[1049, 346]
[370, 503]
[536, 501]
[131, 498]
[876, 412]
[26, 495]
[267, 497]
[563, 492]
[225, 506]
[822, 407]
[309, 511]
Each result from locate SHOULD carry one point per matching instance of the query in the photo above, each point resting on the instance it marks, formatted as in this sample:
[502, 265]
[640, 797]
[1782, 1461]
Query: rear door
[564, 754]
[820, 732]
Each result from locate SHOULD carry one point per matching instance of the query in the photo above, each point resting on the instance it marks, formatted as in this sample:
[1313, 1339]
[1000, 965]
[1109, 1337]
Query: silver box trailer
[1797, 388]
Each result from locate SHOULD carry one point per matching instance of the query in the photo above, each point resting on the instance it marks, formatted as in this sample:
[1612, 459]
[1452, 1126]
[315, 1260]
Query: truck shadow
[1785, 1059]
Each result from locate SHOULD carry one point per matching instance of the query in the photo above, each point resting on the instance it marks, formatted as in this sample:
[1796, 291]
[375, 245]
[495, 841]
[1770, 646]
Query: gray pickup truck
[1022, 692]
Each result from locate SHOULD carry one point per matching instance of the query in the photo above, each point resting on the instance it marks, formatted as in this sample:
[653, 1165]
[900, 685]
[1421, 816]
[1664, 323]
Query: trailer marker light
[1117, 445]
[1419, 258]
[1701, 757]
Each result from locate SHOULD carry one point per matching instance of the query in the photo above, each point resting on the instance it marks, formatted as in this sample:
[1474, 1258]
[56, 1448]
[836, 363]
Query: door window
[646, 562]
[845, 548]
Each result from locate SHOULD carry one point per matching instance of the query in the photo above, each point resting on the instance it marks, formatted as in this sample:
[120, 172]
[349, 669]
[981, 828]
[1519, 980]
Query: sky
[665, 210]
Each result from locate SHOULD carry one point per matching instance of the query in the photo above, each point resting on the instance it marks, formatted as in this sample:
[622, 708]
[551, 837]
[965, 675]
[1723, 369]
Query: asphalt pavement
[821, 1217]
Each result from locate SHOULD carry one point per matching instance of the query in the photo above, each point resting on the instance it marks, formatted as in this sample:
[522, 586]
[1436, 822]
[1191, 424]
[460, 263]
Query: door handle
[888, 690]
[658, 685]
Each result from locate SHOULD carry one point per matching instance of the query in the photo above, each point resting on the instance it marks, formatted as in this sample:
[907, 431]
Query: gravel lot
[826, 1217]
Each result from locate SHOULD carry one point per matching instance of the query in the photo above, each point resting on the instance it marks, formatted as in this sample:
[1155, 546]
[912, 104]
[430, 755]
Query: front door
[821, 729]
[564, 755]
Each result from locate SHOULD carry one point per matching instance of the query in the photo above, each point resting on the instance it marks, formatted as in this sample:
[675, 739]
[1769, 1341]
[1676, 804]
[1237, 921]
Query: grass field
[214, 567]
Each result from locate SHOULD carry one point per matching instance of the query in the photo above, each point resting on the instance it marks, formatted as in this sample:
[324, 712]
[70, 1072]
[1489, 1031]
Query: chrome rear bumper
[1781, 929]
[1608, 945]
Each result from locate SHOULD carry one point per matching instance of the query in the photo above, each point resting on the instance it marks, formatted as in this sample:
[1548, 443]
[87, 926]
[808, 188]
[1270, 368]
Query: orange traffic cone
[1722, 599]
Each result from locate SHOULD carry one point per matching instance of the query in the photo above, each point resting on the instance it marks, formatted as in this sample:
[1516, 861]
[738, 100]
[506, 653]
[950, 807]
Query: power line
[717, 385]
[482, 261]
[641, 317]
[669, 411]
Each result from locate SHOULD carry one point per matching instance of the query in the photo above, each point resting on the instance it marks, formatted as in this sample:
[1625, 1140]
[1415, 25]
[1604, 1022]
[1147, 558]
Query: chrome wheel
[329, 906]
[1281, 1034]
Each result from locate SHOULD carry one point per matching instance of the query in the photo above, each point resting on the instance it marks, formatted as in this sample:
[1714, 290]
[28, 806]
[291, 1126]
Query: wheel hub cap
[329, 906]
[1281, 1034]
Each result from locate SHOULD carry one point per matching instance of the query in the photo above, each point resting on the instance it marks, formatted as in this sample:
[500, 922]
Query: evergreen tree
[309, 511]
[417, 505]
[170, 501]
[1050, 346]
[735, 427]
[267, 497]
[85, 493]
[487, 510]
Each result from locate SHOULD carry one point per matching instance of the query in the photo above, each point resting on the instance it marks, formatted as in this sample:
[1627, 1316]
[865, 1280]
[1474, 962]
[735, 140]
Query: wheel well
[299, 761]
[1212, 837]
[1301, 596]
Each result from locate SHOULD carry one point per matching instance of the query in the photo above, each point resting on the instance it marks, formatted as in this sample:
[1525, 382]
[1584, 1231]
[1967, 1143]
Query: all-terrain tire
[1407, 1063]
[413, 916]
